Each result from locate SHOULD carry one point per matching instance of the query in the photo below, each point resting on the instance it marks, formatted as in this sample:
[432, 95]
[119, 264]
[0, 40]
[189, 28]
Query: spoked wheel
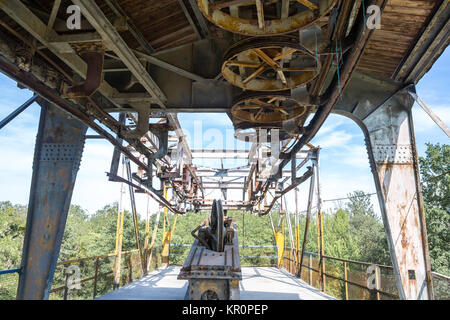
[267, 64]
[217, 224]
[266, 108]
[264, 17]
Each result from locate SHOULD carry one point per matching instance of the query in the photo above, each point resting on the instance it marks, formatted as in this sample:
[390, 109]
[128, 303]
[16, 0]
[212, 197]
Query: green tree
[338, 240]
[367, 229]
[435, 172]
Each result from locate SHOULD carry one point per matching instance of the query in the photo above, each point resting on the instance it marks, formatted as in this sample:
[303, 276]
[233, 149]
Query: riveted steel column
[57, 156]
[392, 152]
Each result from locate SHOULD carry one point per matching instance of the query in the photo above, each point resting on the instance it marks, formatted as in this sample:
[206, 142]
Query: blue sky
[344, 162]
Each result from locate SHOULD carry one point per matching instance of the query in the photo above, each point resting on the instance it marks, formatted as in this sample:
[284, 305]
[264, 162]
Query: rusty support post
[135, 217]
[377, 282]
[57, 156]
[394, 163]
[155, 230]
[119, 234]
[95, 277]
[308, 215]
[166, 234]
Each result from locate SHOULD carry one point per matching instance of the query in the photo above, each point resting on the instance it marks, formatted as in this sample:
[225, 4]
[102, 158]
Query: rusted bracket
[143, 111]
[94, 76]
[161, 131]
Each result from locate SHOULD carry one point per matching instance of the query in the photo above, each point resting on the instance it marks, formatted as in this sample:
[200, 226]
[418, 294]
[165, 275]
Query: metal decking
[258, 283]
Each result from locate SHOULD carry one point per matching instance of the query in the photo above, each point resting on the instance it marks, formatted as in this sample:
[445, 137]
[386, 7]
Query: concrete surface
[257, 283]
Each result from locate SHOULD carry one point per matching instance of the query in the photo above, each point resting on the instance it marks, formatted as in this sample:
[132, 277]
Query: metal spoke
[266, 58]
[255, 74]
[282, 77]
[260, 13]
[284, 54]
[243, 64]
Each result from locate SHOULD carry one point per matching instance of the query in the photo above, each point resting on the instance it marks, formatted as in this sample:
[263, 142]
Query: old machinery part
[94, 55]
[143, 111]
[265, 109]
[269, 64]
[161, 131]
[217, 225]
[213, 266]
[264, 17]
[215, 231]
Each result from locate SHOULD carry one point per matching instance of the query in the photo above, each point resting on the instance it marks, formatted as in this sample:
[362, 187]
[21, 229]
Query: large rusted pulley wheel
[264, 17]
[269, 64]
[217, 225]
[266, 108]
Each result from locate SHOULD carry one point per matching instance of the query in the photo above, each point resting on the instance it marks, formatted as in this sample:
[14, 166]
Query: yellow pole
[167, 235]
[279, 239]
[119, 236]
[346, 278]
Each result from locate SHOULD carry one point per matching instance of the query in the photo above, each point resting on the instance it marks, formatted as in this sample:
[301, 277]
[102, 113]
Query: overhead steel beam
[114, 41]
[22, 15]
[57, 156]
[32, 24]
[18, 111]
[114, 6]
[75, 38]
[189, 18]
[200, 18]
[168, 66]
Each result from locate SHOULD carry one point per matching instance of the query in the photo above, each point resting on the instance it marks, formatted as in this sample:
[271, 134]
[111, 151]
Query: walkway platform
[257, 283]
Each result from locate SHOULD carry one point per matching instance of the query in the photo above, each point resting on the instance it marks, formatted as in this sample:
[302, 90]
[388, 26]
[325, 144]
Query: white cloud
[335, 139]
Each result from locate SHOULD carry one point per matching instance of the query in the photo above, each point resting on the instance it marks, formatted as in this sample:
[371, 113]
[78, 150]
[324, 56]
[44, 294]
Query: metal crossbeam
[18, 111]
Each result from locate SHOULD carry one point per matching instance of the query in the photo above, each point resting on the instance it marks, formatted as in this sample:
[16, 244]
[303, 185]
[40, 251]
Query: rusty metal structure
[277, 68]
[213, 264]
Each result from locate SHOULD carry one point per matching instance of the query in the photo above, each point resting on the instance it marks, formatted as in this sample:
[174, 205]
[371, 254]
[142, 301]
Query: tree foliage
[435, 172]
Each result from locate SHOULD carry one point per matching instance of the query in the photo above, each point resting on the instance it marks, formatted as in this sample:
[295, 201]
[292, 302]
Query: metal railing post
[345, 279]
[66, 286]
[95, 277]
[310, 269]
[377, 281]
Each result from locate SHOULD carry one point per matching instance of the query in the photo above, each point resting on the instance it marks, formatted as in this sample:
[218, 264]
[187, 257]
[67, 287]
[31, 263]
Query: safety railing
[9, 279]
[86, 278]
[353, 280]
[441, 286]
[94, 276]
[341, 278]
